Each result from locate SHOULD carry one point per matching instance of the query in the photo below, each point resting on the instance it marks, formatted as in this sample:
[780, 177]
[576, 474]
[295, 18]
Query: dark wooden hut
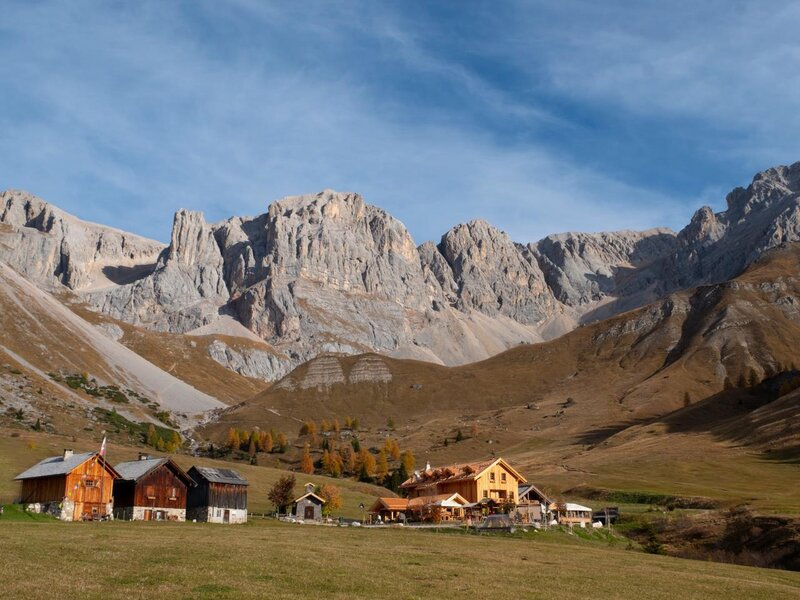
[151, 489]
[220, 496]
[72, 487]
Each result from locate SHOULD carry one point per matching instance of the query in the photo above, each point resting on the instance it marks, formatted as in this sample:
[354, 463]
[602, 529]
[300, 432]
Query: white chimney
[143, 456]
[67, 453]
[427, 466]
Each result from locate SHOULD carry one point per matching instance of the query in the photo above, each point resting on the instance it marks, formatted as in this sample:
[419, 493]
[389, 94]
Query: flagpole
[103, 472]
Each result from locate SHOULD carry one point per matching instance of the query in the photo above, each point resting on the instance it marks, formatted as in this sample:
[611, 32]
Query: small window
[503, 477]
[485, 493]
[491, 476]
[150, 491]
[173, 494]
[511, 495]
[90, 483]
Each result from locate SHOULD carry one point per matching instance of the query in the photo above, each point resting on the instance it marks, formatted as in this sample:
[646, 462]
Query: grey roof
[55, 465]
[135, 469]
[221, 475]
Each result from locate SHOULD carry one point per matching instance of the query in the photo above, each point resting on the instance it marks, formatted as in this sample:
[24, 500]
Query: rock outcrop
[329, 273]
[51, 247]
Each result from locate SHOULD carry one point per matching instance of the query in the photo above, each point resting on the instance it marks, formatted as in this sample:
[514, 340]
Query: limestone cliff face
[52, 247]
[493, 275]
[582, 268]
[329, 273]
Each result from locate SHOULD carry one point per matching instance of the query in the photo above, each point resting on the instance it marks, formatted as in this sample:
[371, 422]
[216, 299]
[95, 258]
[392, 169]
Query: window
[150, 492]
[173, 494]
[485, 493]
[491, 476]
[511, 495]
[503, 477]
[90, 483]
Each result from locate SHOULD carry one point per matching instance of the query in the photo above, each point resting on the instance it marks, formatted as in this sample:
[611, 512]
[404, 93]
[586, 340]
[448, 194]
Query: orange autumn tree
[306, 464]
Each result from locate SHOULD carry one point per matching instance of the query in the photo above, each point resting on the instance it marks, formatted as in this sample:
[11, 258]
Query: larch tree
[395, 450]
[408, 462]
[267, 443]
[381, 467]
[233, 439]
[366, 465]
[283, 442]
[306, 464]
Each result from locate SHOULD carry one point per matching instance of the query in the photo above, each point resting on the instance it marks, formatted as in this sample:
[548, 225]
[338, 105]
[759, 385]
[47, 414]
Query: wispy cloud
[536, 119]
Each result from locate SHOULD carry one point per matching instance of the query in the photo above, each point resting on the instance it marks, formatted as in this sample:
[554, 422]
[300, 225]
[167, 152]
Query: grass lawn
[266, 559]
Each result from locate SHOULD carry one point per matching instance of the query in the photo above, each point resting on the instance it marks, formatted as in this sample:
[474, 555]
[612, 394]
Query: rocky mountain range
[329, 273]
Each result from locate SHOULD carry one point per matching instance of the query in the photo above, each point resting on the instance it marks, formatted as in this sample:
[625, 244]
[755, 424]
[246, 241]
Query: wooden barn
[72, 487]
[309, 506]
[220, 496]
[151, 489]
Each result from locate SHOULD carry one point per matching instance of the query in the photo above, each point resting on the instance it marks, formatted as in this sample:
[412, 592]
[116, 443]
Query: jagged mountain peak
[329, 272]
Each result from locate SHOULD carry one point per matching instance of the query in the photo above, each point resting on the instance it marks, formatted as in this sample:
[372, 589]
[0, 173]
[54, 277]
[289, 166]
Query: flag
[103, 448]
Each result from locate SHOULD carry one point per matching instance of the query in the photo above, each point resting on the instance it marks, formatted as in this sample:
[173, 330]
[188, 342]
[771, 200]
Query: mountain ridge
[328, 272]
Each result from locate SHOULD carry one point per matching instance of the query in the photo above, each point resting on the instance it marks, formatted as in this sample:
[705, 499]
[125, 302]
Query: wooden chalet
[72, 487]
[220, 496]
[309, 506]
[151, 489]
[493, 480]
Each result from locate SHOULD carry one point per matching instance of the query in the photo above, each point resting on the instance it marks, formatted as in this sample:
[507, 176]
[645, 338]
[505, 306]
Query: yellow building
[493, 480]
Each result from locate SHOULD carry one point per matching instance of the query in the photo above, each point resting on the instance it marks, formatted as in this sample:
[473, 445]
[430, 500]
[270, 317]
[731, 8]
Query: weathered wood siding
[44, 489]
[85, 484]
[161, 488]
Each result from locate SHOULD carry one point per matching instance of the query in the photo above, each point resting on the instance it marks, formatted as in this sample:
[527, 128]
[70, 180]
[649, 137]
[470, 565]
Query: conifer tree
[381, 467]
[283, 442]
[407, 460]
[233, 439]
[306, 464]
[366, 465]
[152, 436]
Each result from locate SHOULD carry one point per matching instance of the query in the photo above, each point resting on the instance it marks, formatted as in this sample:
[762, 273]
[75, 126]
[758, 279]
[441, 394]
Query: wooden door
[309, 512]
[148, 514]
[226, 516]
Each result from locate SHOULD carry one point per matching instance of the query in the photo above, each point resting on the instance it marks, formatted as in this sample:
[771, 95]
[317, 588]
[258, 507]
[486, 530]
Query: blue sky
[539, 117]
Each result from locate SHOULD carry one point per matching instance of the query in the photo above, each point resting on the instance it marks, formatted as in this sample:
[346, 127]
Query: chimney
[310, 487]
[143, 456]
[427, 466]
[67, 453]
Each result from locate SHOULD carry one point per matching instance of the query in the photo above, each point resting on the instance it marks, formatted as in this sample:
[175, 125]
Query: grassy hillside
[658, 399]
[271, 560]
[19, 453]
